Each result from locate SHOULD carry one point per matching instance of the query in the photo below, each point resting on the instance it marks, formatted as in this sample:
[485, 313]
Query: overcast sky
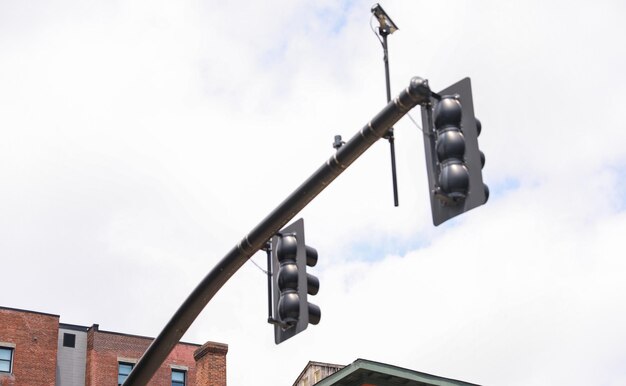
[141, 140]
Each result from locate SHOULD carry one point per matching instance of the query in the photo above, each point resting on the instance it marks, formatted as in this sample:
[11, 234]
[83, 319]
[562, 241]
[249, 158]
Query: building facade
[314, 372]
[37, 350]
[364, 372]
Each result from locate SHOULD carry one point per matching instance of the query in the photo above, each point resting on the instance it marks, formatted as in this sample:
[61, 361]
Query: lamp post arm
[418, 92]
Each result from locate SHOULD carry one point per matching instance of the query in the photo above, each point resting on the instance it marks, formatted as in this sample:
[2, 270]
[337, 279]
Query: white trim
[179, 367]
[7, 344]
[127, 360]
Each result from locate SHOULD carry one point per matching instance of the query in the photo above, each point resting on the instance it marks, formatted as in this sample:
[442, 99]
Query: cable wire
[258, 266]
[373, 30]
[415, 123]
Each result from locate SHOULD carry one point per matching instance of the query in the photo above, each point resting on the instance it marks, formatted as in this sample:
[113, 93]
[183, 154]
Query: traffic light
[453, 159]
[291, 284]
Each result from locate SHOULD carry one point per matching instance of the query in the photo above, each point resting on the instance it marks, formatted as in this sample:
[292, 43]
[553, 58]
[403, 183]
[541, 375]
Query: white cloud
[141, 141]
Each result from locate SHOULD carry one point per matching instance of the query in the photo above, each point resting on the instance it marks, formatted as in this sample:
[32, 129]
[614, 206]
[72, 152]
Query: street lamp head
[387, 26]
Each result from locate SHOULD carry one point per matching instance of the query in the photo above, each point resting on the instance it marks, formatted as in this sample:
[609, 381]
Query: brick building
[37, 350]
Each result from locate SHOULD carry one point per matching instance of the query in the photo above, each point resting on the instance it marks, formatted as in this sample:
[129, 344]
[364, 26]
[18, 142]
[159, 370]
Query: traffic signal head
[453, 160]
[453, 177]
[291, 284]
[287, 279]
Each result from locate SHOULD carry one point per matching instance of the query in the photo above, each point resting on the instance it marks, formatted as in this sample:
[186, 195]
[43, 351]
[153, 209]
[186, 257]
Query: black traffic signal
[291, 284]
[453, 159]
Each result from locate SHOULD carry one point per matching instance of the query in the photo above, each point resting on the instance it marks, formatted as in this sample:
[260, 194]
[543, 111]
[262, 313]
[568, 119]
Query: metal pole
[389, 136]
[418, 92]
[386, 60]
[268, 250]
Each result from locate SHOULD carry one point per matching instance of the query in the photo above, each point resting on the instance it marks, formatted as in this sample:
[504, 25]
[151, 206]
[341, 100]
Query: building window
[6, 359]
[123, 369]
[69, 340]
[178, 377]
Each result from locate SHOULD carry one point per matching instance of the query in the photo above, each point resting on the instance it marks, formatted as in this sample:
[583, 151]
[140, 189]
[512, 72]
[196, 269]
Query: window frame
[179, 371]
[11, 351]
[69, 340]
[119, 365]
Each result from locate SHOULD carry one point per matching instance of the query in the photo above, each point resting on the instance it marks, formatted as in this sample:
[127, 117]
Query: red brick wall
[35, 338]
[104, 350]
[211, 364]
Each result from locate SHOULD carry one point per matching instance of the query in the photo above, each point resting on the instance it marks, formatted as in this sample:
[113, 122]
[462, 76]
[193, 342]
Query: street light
[387, 27]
